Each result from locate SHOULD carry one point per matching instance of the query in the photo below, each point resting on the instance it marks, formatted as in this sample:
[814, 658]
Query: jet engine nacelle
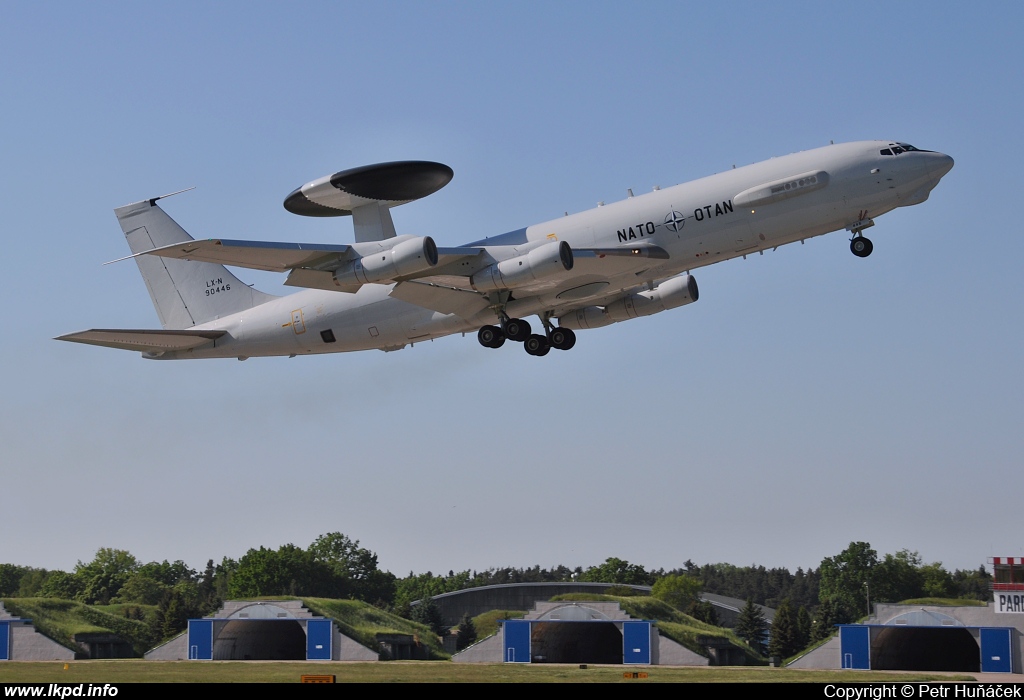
[677, 291]
[667, 295]
[585, 319]
[407, 258]
[543, 261]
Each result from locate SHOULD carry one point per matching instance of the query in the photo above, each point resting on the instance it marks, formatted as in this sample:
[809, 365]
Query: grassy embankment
[486, 623]
[61, 619]
[362, 622]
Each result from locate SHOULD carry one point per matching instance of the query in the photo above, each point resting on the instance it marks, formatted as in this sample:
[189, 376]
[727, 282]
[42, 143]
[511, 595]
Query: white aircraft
[616, 262]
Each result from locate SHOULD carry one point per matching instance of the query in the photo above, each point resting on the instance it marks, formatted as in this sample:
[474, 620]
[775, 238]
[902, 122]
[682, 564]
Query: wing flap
[446, 300]
[142, 340]
[256, 255]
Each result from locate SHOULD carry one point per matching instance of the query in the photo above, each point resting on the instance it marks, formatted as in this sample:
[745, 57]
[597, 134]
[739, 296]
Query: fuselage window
[885, 152]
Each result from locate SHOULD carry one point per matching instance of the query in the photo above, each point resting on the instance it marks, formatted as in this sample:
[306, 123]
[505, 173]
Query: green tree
[61, 584]
[171, 616]
[140, 588]
[704, 611]
[167, 573]
[616, 570]
[103, 577]
[222, 575]
[678, 590]
[352, 570]
[31, 583]
[752, 626]
[287, 571]
[783, 641]
[972, 584]
[937, 582]
[897, 577]
[803, 628]
[180, 604]
[429, 614]
[828, 615]
[844, 580]
[344, 556]
[467, 632]
[10, 579]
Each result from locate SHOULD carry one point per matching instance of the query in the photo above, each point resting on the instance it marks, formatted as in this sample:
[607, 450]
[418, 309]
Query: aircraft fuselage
[731, 214]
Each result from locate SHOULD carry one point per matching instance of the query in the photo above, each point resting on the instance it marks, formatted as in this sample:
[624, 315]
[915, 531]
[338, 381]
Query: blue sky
[809, 399]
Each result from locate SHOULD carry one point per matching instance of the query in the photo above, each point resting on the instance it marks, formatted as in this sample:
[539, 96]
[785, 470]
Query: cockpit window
[896, 148]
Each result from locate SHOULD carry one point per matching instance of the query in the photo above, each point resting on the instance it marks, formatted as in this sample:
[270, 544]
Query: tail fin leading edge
[185, 293]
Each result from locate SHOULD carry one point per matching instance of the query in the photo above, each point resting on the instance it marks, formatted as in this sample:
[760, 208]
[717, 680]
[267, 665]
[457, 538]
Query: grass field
[138, 671]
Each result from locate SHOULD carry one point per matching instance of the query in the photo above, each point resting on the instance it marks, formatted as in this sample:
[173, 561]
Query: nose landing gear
[861, 246]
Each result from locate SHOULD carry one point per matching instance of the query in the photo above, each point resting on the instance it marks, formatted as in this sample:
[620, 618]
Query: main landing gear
[519, 330]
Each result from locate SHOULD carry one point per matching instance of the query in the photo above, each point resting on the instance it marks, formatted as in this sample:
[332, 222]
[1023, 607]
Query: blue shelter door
[517, 641]
[318, 640]
[855, 645]
[636, 642]
[995, 650]
[200, 640]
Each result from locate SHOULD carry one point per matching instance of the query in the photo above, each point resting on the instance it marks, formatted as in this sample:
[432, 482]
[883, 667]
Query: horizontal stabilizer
[446, 300]
[143, 340]
[256, 255]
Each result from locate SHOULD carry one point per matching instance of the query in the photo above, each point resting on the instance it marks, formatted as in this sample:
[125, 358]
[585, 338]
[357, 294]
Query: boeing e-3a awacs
[613, 263]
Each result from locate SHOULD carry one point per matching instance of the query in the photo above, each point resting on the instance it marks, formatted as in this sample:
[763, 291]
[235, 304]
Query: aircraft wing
[256, 255]
[143, 340]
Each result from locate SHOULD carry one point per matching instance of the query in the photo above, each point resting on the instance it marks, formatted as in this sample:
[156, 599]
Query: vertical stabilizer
[184, 293]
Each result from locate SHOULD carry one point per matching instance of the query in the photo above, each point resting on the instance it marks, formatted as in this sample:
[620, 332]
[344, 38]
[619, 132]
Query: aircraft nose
[942, 165]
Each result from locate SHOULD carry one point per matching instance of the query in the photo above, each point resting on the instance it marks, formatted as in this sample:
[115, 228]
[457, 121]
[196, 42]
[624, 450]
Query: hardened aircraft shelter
[579, 632]
[970, 639]
[282, 630]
